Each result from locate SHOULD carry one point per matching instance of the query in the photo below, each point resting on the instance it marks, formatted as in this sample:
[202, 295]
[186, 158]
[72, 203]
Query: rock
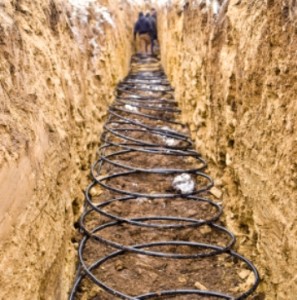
[205, 230]
[218, 182]
[248, 281]
[216, 192]
[200, 286]
[244, 274]
[119, 266]
[94, 292]
[96, 191]
[75, 245]
[228, 159]
[182, 279]
[184, 183]
[131, 107]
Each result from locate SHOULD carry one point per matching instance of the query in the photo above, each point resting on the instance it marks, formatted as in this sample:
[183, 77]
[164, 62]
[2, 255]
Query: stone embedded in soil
[170, 141]
[205, 230]
[216, 192]
[244, 274]
[131, 107]
[200, 286]
[182, 279]
[96, 191]
[119, 265]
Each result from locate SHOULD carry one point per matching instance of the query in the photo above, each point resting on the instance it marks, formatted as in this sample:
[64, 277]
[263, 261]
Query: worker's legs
[142, 47]
[138, 46]
[145, 42]
[152, 44]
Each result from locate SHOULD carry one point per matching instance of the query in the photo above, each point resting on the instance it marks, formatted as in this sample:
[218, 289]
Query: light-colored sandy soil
[235, 77]
[58, 68]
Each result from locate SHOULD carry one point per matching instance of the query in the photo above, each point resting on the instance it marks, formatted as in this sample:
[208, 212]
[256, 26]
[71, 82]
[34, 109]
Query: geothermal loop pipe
[137, 127]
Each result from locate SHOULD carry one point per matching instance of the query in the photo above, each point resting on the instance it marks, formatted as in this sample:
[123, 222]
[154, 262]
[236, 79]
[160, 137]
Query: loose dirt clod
[150, 224]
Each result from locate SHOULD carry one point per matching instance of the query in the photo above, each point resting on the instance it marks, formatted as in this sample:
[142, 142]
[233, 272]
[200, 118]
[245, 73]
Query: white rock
[131, 107]
[168, 140]
[133, 96]
[184, 183]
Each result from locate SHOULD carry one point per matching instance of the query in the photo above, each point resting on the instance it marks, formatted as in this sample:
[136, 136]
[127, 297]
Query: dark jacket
[142, 26]
[153, 23]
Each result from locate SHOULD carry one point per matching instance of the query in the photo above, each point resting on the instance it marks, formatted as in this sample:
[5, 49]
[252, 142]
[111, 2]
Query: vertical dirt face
[59, 65]
[234, 66]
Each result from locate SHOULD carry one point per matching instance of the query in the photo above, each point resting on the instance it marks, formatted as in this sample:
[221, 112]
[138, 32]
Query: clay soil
[136, 274]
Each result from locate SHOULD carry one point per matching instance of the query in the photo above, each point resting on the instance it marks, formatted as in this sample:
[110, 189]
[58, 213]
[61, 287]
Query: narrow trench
[150, 226]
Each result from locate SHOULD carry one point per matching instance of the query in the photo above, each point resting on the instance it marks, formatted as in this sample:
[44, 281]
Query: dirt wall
[59, 64]
[234, 66]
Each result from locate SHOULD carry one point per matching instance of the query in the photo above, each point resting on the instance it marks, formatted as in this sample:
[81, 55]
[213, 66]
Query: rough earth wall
[59, 64]
[234, 66]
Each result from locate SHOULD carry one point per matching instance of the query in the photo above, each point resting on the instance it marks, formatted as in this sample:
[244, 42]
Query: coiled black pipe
[143, 101]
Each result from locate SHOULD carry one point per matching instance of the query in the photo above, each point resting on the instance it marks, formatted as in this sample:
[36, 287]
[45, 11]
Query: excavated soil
[147, 194]
[234, 65]
[60, 61]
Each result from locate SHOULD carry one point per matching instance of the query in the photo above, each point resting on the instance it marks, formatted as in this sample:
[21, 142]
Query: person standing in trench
[143, 29]
[154, 32]
[153, 29]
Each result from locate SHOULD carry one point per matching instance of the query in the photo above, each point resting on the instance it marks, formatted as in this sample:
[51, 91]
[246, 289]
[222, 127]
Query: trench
[151, 227]
[233, 67]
